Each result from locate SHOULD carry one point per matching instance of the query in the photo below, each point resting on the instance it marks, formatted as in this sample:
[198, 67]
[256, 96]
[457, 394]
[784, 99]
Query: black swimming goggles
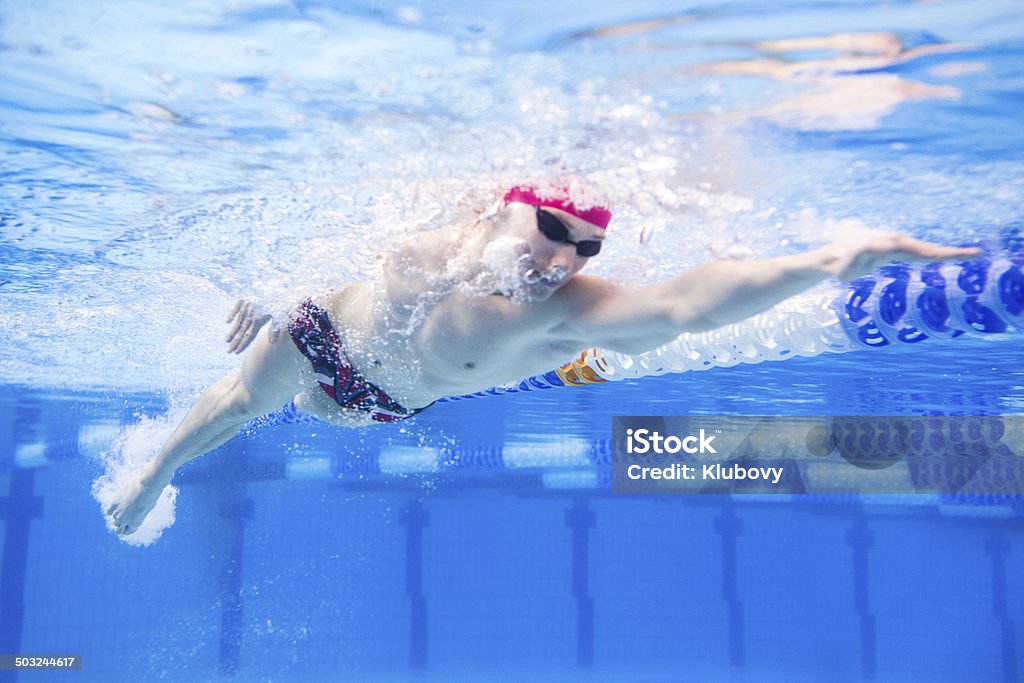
[556, 231]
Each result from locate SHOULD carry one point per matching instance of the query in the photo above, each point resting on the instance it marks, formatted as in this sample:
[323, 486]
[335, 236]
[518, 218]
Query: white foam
[134, 446]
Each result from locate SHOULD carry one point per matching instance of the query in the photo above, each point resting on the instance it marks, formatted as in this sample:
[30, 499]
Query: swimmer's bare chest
[454, 344]
[472, 343]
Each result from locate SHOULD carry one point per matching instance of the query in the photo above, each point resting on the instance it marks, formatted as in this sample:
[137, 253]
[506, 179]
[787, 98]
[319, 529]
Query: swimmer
[468, 307]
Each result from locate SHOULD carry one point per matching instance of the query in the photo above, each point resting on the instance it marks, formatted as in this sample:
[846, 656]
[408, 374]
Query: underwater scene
[161, 162]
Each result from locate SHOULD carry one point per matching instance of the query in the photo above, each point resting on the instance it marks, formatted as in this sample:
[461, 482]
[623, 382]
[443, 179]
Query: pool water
[161, 161]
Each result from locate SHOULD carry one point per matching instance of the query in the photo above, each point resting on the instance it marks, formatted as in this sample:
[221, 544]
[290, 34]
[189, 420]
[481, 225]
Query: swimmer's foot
[135, 502]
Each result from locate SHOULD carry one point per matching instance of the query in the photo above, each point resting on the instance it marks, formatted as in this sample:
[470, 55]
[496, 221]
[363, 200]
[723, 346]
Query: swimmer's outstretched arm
[272, 374]
[723, 292]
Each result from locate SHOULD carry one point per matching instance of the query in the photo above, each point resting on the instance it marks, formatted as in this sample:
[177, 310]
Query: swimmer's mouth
[553, 277]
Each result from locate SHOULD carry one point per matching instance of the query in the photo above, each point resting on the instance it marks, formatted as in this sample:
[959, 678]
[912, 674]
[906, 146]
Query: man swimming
[468, 307]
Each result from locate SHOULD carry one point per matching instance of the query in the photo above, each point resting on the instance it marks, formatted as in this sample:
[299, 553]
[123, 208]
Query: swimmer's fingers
[908, 248]
[247, 333]
[877, 250]
[235, 309]
[238, 332]
[241, 314]
[120, 528]
[247, 322]
[241, 338]
[232, 334]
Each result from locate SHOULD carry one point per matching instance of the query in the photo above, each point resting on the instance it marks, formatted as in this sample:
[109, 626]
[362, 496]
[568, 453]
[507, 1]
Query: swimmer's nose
[563, 257]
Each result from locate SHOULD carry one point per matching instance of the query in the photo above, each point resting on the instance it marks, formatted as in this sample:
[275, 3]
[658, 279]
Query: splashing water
[134, 446]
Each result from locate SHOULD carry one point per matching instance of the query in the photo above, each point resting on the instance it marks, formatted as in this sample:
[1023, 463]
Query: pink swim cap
[524, 194]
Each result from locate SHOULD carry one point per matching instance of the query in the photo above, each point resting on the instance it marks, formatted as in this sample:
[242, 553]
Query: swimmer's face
[546, 264]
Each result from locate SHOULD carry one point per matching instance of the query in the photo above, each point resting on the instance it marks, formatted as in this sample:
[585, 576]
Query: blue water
[159, 162]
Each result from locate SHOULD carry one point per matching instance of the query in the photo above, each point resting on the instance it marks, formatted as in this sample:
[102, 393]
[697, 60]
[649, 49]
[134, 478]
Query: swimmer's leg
[317, 404]
[273, 372]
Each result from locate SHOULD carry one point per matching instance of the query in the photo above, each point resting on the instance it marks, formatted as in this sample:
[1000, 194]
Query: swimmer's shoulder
[412, 267]
[580, 294]
[419, 251]
[586, 290]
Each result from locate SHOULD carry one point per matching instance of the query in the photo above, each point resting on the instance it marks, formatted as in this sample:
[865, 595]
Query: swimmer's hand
[247, 324]
[850, 260]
